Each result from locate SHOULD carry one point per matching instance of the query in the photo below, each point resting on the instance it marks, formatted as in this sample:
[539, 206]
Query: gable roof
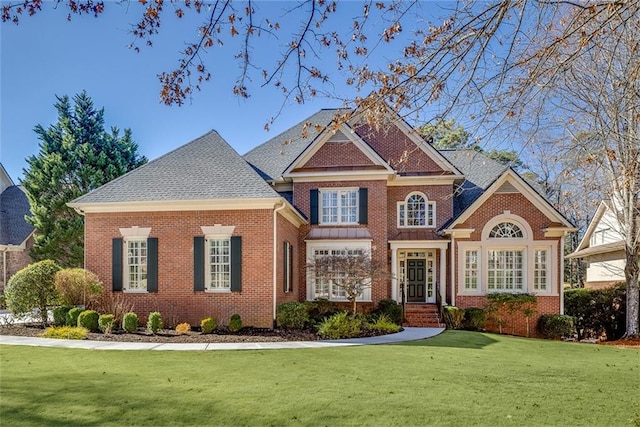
[14, 206]
[207, 168]
[273, 157]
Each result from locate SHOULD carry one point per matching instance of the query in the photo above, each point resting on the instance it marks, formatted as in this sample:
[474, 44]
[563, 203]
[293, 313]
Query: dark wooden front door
[416, 280]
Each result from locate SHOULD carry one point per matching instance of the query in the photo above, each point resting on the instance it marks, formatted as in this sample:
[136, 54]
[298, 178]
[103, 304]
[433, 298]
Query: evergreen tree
[76, 155]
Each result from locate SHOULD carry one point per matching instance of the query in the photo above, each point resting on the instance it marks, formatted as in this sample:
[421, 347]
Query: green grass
[457, 378]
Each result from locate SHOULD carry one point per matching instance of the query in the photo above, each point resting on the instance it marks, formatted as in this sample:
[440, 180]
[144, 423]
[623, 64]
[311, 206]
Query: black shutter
[236, 263]
[198, 263]
[285, 267]
[290, 268]
[116, 264]
[364, 206]
[152, 264]
[314, 206]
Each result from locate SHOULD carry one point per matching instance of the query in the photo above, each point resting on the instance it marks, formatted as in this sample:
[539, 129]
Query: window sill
[135, 291]
[217, 291]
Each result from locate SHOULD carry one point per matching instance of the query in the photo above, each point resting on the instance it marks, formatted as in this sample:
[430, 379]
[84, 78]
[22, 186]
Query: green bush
[453, 317]
[235, 324]
[3, 302]
[65, 332]
[208, 325]
[340, 325]
[383, 323]
[72, 316]
[555, 326]
[88, 319]
[60, 315]
[130, 322]
[292, 315]
[598, 311]
[77, 286]
[321, 309]
[33, 287]
[391, 309]
[154, 323]
[106, 322]
[474, 318]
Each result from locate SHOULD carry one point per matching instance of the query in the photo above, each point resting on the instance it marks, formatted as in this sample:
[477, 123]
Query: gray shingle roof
[480, 172]
[274, 156]
[14, 205]
[207, 168]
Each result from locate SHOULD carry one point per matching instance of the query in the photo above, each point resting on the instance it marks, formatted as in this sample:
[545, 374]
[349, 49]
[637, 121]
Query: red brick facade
[15, 261]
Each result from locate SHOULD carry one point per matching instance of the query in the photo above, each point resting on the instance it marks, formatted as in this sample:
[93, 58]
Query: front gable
[510, 192]
[338, 151]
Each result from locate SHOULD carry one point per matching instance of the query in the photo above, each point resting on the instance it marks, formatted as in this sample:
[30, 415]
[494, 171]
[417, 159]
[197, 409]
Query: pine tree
[76, 155]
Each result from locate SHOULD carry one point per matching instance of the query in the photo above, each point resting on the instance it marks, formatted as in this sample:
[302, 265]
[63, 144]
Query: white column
[394, 274]
[443, 275]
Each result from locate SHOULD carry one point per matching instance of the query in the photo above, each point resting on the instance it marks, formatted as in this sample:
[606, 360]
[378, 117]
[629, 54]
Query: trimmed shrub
[598, 311]
[474, 319]
[130, 322]
[77, 286]
[3, 302]
[106, 322]
[33, 287]
[340, 325]
[154, 323]
[183, 328]
[292, 315]
[88, 319]
[555, 326]
[235, 324]
[65, 332]
[60, 315]
[208, 325]
[321, 309]
[391, 309]
[453, 317]
[384, 324]
[72, 316]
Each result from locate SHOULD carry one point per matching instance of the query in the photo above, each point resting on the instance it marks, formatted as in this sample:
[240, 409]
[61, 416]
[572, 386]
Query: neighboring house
[203, 231]
[16, 234]
[602, 247]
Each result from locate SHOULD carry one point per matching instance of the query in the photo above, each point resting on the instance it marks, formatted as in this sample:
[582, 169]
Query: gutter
[276, 209]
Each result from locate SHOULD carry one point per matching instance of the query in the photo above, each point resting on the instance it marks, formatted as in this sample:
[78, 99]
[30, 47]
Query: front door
[416, 280]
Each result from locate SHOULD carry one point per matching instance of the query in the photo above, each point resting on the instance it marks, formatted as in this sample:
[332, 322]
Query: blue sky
[45, 56]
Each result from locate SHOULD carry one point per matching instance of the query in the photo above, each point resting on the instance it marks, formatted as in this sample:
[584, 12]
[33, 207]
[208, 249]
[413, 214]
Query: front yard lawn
[457, 378]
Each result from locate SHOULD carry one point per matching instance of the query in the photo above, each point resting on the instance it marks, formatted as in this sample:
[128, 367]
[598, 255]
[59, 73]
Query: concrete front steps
[422, 316]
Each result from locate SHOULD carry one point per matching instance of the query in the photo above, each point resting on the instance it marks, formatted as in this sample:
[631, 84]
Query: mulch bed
[170, 336]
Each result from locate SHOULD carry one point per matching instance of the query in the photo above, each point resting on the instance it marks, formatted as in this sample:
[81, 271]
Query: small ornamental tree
[352, 271]
[33, 287]
[77, 286]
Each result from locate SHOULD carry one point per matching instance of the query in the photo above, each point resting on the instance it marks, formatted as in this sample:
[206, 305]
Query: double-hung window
[218, 264]
[339, 206]
[540, 268]
[136, 265]
[471, 270]
[134, 261]
[505, 270]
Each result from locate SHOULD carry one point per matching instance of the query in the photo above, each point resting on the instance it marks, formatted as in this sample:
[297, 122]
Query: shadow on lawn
[455, 339]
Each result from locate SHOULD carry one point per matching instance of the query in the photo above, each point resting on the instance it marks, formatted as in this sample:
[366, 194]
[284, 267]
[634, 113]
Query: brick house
[16, 234]
[204, 231]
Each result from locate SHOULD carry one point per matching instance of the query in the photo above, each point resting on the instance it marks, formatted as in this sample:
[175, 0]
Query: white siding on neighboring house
[606, 271]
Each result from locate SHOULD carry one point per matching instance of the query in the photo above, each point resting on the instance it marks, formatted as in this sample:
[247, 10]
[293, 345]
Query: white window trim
[427, 203]
[216, 232]
[331, 245]
[526, 284]
[463, 268]
[125, 262]
[338, 190]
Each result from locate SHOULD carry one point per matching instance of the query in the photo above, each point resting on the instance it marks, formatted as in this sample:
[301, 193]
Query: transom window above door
[416, 211]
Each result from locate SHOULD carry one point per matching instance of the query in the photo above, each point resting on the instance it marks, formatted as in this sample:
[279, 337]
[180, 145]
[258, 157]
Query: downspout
[4, 268]
[84, 237]
[275, 257]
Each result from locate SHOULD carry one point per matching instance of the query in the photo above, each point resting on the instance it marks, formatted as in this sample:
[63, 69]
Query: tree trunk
[632, 274]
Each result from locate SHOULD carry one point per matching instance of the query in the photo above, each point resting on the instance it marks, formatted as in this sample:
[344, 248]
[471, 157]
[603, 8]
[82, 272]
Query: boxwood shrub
[391, 309]
[208, 325]
[555, 326]
[154, 323]
[475, 318]
[106, 323]
[88, 319]
[292, 315]
[60, 315]
[235, 324]
[72, 316]
[130, 322]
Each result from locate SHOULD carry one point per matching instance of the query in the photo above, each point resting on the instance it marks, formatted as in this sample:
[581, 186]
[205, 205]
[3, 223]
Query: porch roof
[339, 234]
[429, 234]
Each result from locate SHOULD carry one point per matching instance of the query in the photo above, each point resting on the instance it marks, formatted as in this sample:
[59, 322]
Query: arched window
[416, 211]
[506, 230]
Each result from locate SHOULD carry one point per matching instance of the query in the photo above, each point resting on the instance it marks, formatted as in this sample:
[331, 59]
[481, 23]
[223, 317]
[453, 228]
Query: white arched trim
[507, 216]
[429, 212]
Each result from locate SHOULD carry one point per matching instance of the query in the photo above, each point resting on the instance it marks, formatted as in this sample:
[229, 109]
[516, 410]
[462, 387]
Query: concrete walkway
[409, 334]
